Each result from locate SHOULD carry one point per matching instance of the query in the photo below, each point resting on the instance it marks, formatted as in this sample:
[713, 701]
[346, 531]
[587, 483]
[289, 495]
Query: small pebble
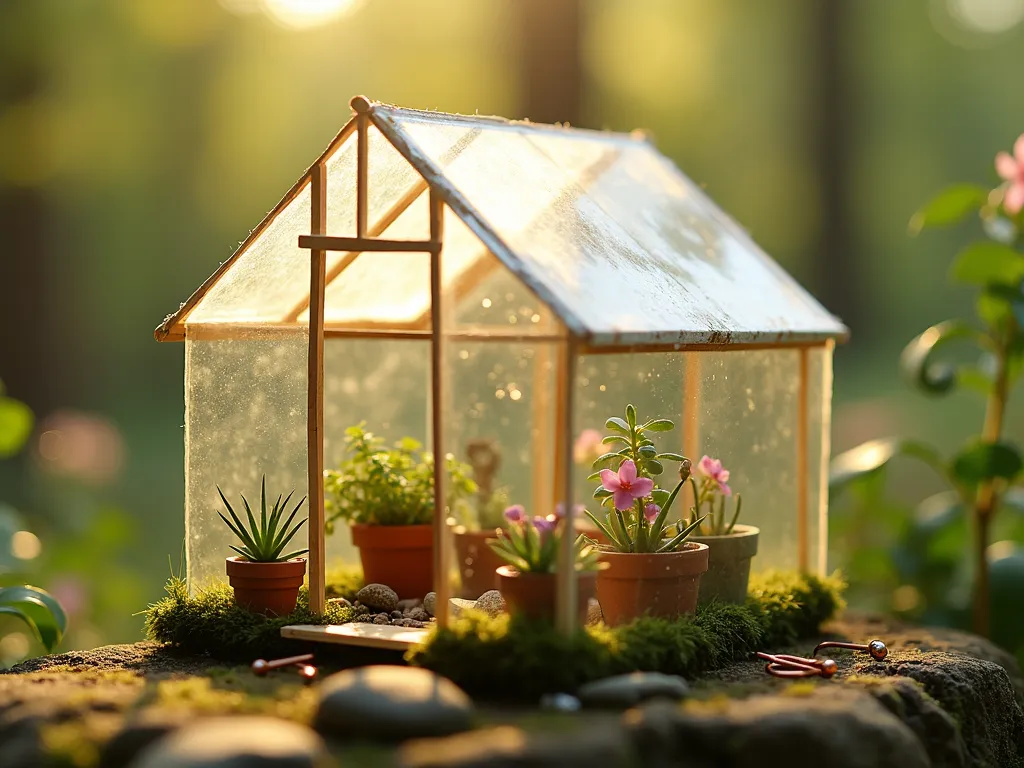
[396, 614]
[419, 615]
[560, 702]
[430, 603]
[379, 596]
[409, 604]
[381, 618]
[491, 602]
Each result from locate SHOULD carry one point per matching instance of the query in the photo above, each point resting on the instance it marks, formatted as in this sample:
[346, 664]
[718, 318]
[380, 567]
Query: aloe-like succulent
[264, 542]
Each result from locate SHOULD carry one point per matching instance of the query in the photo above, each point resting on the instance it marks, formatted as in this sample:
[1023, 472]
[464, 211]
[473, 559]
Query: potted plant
[264, 580]
[530, 546]
[480, 521]
[653, 569]
[387, 496]
[730, 546]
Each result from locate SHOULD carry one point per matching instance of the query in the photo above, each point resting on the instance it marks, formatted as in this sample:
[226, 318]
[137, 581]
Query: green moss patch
[209, 622]
[509, 657]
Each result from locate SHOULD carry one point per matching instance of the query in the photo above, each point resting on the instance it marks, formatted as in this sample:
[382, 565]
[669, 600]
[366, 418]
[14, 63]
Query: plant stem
[986, 500]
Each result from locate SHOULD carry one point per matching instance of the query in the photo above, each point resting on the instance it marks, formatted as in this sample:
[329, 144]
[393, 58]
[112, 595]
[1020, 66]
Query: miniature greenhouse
[470, 281]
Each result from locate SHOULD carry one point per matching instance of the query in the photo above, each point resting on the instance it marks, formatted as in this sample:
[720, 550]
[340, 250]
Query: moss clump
[210, 622]
[344, 581]
[518, 659]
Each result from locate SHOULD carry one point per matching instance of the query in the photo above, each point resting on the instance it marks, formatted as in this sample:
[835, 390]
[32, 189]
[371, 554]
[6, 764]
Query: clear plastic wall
[245, 416]
[739, 406]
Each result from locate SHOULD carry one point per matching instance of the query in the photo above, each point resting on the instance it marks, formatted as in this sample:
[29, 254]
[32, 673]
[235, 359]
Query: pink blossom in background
[1011, 168]
[713, 468]
[545, 524]
[625, 486]
[70, 593]
[588, 446]
[651, 512]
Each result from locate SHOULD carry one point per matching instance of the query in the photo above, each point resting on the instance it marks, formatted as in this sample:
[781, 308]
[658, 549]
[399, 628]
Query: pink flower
[651, 512]
[515, 513]
[588, 446]
[625, 485]
[713, 469]
[1012, 169]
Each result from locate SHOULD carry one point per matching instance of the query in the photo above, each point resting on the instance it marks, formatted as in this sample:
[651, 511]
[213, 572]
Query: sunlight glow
[304, 14]
[987, 16]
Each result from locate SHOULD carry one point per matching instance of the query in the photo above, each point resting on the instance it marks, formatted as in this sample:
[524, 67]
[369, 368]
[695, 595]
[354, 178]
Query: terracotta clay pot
[477, 562]
[728, 564]
[664, 585]
[400, 556]
[533, 594]
[267, 588]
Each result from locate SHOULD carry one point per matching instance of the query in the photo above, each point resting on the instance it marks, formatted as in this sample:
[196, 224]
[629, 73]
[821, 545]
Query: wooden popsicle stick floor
[359, 634]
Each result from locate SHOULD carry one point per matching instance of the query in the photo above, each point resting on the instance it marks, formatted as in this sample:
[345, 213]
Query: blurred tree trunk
[837, 282]
[24, 275]
[549, 54]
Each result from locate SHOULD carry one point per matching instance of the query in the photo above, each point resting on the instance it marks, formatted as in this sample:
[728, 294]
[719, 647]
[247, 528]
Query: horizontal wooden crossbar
[330, 243]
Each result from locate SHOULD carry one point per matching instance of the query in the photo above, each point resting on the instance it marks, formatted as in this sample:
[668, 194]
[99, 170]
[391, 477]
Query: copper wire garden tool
[876, 648]
[787, 666]
[261, 667]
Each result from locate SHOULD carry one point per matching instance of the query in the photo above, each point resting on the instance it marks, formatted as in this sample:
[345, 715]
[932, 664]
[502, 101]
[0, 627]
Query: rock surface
[379, 597]
[237, 742]
[430, 602]
[624, 691]
[491, 602]
[390, 703]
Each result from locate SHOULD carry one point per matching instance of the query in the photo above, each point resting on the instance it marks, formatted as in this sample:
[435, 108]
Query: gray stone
[510, 747]
[339, 602]
[409, 604]
[978, 693]
[430, 602]
[237, 742]
[628, 690]
[460, 604]
[391, 703]
[491, 602]
[560, 702]
[418, 614]
[381, 618]
[814, 726]
[378, 596]
[594, 613]
[139, 732]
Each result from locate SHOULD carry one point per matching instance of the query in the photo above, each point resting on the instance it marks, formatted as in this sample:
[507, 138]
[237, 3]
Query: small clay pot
[267, 588]
[400, 556]
[659, 584]
[533, 594]
[477, 562]
[728, 564]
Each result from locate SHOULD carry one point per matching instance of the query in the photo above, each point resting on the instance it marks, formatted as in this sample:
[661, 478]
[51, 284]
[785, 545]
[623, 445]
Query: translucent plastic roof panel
[607, 232]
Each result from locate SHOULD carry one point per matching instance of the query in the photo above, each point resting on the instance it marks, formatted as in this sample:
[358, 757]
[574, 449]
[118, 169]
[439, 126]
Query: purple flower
[545, 524]
[651, 512]
[515, 513]
[577, 510]
[713, 469]
[625, 485]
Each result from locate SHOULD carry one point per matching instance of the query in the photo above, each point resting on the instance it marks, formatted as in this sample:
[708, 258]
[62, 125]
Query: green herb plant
[378, 485]
[38, 610]
[984, 474]
[637, 509]
[264, 542]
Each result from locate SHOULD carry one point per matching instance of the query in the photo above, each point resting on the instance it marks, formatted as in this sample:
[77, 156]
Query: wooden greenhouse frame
[572, 340]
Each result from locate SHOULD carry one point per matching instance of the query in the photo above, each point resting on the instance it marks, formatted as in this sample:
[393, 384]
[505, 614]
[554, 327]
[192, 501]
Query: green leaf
[982, 461]
[618, 425]
[39, 610]
[868, 458]
[614, 439]
[606, 461]
[16, 422]
[647, 451]
[949, 206]
[998, 301]
[671, 457]
[653, 467]
[937, 511]
[659, 425]
[631, 416]
[988, 263]
[917, 359]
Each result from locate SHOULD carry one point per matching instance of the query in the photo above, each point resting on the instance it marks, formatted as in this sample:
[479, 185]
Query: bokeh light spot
[25, 545]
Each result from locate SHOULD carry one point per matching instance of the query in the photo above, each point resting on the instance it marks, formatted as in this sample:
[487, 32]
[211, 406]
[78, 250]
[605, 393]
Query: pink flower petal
[641, 487]
[651, 512]
[610, 481]
[1018, 149]
[1014, 199]
[706, 465]
[623, 499]
[627, 472]
[723, 476]
[725, 489]
[1006, 166]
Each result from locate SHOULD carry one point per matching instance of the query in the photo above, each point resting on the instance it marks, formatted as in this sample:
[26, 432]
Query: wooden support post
[802, 443]
[315, 399]
[691, 419]
[566, 585]
[362, 172]
[441, 576]
[543, 485]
